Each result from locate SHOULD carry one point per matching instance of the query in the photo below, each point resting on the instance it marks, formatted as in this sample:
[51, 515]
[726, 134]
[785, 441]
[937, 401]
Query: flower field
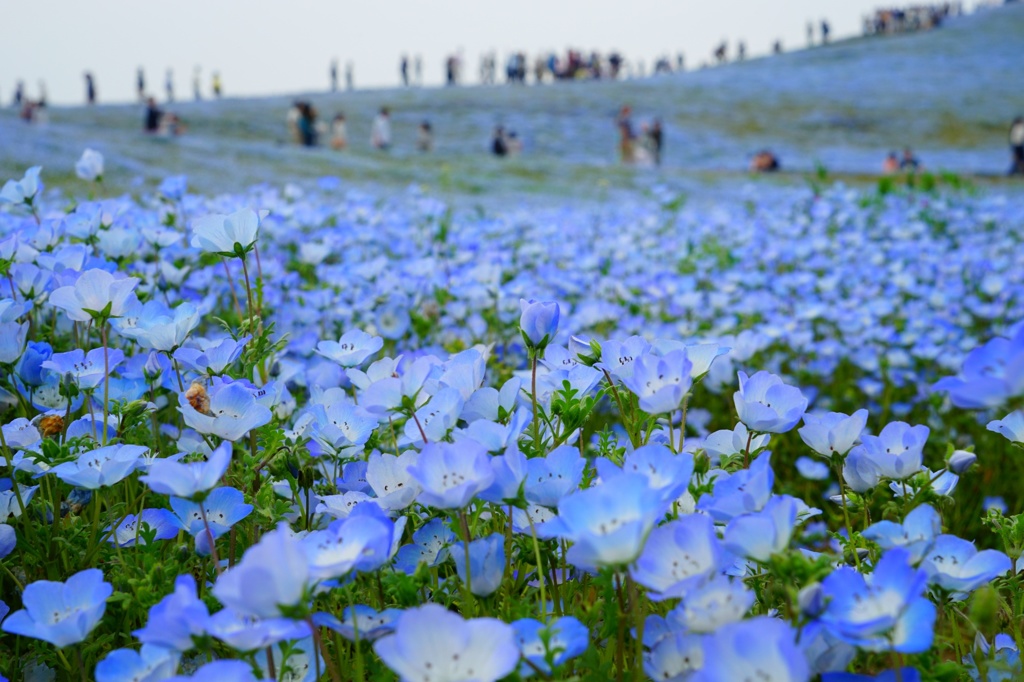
[312, 433]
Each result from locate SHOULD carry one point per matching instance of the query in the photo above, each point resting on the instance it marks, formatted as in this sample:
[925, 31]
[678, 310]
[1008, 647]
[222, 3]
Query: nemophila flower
[12, 341]
[701, 355]
[509, 473]
[246, 633]
[150, 664]
[956, 565]
[359, 542]
[761, 648]
[667, 473]
[942, 483]
[486, 563]
[822, 649]
[360, 623]
[8, 539]
[1003, 664]
[431, 642]
[538, 322]
[617, 357]
[274, 574]
[9, 505]
[674, 657]
[389, 478]
[177, 618]
[884, 611]
[832, 433]
[188, 479]
[761, 535]
[341, 425]
[101, 467]
[767, 405]
[430, 547]
[567, 638]
[22, 191]
[300, 664]
[219, 671]
[158, 327]
[960, 461]
[87, 370]
[30, 366]
[860, 471]
[916, 534]
[744, 492]
[211, 357]
[61, 613]
[227, 235]
[96, 293]
[90, 166]
[452, 474]
[902, 675]
[549, 479]
[229, 411]
[991, 374]
[897, 451]
[173, 187]
[224, 507]
[607, 524]
[727, 443]
[660, 383]
[678, 556]
[711, 604]
[160, 523]
[20, 434]
[493, 404]
[433, 421]
[1010, 427]
[352, 349]
[812, 469]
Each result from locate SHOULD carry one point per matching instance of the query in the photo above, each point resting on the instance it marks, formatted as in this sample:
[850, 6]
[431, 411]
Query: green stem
[106, 379]
[540, 570]
[468, 602]
[846, 516]
[533, 400]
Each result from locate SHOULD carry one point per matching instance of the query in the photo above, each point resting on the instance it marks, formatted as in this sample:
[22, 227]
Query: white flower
[90, 166]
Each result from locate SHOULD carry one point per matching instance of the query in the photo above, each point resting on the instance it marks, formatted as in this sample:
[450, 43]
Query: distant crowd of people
[911, 18]
[305, 129]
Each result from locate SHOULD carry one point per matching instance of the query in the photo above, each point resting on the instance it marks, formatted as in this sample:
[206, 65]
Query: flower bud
[538, 323]
[960, 461]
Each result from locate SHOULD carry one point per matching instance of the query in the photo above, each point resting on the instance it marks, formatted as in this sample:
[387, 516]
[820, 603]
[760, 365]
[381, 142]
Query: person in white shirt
[380, 133]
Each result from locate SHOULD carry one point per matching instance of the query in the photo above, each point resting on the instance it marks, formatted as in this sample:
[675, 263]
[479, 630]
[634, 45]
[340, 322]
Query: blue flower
[176, 618]
[169, 477]
[675, 657]
[452, 474]
[389, 478]
[767, 405]
[173, 187]
[22, 191]
[246, 633]
[746, 491]
[227, 235]
[812, 469]
[762, 534]
[1003, 664]
[567, 639]
[486, 563]
[832, 433]
[158, 327]
[897, 452]
[61, 613]
[8, 540]
[430, 547]
[164, 524]
[352, 349]
[713, 603]
[660, 383]
[273, 574]
[607, 524]
[678, 556]
[211, 357]
[991, 374]
[1011, 427]
[960, 461]
[86, 369]
[886, 611]
[30, 367]
[101, 467]
[230, 411]
[916, 534]
[431, 642]
[549, 479]
[668, 474]
[219, 671]
[510, 470]
[538, 322]
[761, 648]
[358, 542]
[360, 622]
[224, 508]
[956, 565]
[96, 293]
[149, 664]
[904, 675]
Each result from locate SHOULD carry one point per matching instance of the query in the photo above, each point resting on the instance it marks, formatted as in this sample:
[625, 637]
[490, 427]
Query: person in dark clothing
[499, 144]
[307, 124]
[19, 94]
[153, 116]
[140, 84]
[657, 140]
[404, 69]
[1017, 146]
[909, 162]
[90, 89]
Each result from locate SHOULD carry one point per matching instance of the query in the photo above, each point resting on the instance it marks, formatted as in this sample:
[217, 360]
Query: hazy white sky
[277, 46]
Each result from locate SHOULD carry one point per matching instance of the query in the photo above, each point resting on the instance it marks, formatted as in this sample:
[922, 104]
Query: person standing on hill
[197, 90]
[216, 84]
[380, 133]
[1017, 146]
[403, 68]
[627, 138]
[169, 85]
[140, 84]
[90, 89]
[334, 75]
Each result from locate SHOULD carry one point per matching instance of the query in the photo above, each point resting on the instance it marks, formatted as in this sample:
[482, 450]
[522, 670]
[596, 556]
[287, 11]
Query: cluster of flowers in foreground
[338, 440]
